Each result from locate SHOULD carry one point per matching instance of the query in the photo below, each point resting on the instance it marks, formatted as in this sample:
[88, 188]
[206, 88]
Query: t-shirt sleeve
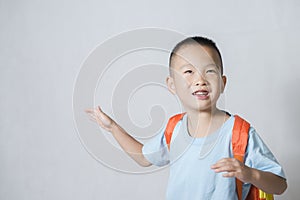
[259, 156]
[156, 151]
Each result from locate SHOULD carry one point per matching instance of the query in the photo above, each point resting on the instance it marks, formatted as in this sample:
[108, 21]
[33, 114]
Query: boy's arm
[266, 181]
[130, 145]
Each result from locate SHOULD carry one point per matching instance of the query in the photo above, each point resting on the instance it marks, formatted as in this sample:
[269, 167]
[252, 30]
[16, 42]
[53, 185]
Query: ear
[224, 79]
[170, 84]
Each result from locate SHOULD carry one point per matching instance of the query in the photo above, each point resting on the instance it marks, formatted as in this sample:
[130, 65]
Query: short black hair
[203, 41]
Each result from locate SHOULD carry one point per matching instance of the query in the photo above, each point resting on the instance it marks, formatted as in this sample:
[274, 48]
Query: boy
[201, 141]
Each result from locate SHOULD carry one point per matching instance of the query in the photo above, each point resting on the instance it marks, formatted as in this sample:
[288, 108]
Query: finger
[221, 163]
[94, 116]
[101, 115]
[97, 120]
[92, 119]
[229, 174]
[226, 168]
[89, 110]
[225, 160]
[99, 109]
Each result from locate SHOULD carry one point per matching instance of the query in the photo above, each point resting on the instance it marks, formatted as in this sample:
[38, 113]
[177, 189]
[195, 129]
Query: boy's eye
[188, 71]
[211, 71]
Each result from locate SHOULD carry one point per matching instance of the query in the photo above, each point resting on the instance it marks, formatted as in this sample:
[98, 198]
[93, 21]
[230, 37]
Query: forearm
[130, 145]
[268, 182]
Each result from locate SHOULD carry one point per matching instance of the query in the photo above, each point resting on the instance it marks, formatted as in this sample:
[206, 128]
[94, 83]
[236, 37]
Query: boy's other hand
[98, 116]
[233, 168]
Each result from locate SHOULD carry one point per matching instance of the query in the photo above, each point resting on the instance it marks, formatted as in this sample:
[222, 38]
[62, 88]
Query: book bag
[239, 144]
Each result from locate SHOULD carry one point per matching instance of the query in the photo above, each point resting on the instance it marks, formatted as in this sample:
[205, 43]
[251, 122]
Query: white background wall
[44, 43]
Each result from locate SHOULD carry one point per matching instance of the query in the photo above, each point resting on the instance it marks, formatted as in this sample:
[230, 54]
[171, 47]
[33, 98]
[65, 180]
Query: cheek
[178, 80]
[184, 80]
[182, 84]
[221, 84]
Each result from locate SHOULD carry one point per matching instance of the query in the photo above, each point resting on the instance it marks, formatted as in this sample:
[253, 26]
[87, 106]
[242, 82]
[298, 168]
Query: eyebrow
[186, 65]
[208, 65]
[212, 64]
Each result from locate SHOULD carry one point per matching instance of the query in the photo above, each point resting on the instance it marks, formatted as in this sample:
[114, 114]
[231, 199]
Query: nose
[200, 79]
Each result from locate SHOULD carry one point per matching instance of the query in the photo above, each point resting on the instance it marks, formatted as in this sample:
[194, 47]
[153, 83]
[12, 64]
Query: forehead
[196, 55]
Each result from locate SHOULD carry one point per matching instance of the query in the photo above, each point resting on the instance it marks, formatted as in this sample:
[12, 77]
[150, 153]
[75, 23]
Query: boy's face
[196, 77]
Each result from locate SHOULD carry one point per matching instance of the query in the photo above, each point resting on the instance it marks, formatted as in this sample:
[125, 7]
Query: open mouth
[201, 94]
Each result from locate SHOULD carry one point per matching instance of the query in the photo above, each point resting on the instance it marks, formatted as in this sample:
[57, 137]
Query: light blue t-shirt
[190, 159]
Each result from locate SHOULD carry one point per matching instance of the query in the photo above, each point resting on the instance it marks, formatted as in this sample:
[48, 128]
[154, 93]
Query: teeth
[200, 93]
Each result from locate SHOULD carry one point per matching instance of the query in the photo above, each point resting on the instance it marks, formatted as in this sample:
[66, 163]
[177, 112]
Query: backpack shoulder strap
[239, 144]
[240, 137]
[170, 127]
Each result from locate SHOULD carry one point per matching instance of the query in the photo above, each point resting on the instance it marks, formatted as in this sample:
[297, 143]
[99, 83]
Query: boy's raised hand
[101, 118]
[129, 144]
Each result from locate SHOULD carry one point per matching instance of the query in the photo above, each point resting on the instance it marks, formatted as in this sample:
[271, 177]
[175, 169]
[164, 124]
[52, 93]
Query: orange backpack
[239, 143]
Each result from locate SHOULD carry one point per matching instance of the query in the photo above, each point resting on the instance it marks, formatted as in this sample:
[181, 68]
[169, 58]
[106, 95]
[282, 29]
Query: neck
[206, 115]
[202, 123]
